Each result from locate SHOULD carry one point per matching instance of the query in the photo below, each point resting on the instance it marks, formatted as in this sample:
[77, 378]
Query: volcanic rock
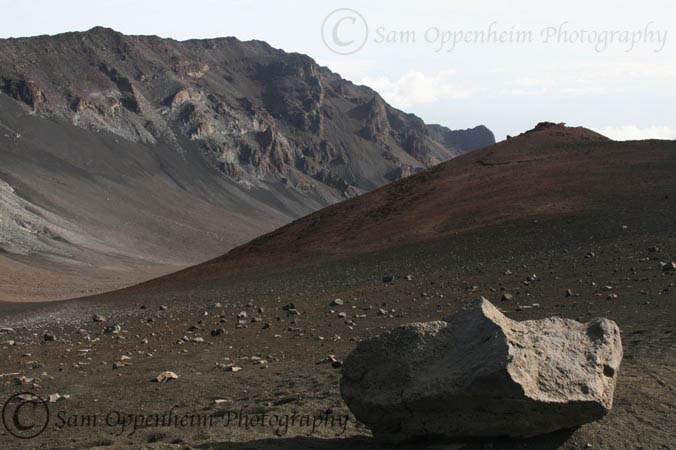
[479, 373]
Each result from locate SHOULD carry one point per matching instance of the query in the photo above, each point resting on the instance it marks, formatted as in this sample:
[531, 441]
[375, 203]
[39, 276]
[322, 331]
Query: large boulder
[479, 373]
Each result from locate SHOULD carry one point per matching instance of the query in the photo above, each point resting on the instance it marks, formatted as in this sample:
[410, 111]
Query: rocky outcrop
[478, 373]
[258, 114]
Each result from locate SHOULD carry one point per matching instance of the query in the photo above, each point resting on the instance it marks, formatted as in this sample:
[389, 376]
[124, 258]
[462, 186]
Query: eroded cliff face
[258, 114]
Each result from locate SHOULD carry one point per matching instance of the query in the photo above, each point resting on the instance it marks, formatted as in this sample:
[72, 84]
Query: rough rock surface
[480, 373]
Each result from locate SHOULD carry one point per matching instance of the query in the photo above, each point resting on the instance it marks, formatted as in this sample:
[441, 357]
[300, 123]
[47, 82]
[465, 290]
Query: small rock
[114, 329]
[49, 337]
[388, 278]
[288, 307]
[217, 332]
[233, 369]
[337, 302]
[98, 318]
[166, 376]
[507, 297]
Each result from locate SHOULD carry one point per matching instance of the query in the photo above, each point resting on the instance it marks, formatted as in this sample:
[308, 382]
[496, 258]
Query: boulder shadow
[550, 441]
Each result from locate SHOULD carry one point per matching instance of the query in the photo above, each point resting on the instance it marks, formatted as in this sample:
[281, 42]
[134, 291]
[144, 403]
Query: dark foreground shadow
[551, 441]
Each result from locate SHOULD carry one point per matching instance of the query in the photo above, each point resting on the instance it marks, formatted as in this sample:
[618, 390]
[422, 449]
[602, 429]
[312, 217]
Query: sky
[605, 65]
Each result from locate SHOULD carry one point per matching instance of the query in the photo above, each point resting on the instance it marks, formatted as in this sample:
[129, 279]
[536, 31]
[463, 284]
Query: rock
[114, 329]
[217, 332]
[166, 376]
[409, 277]
[292, 312]
[669, 267]
[98, 318]
[479, 373]
[49, 337]
[388, 278]
[337, 302]
[233, 369]
[382, 312]
[242, 315]
[163, 307]
[654, 249]
[6, 330]
[118, 365]
[288, 307]
[53, 398]
[507, 297]
[569, 293]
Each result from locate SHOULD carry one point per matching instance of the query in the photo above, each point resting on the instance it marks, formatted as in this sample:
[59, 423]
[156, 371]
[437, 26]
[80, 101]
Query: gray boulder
[479, 373]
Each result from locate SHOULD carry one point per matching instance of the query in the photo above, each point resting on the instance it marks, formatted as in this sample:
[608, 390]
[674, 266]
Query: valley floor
[608, 265]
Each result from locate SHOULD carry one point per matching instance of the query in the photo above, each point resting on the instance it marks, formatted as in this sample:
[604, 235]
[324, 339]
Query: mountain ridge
[126, 154]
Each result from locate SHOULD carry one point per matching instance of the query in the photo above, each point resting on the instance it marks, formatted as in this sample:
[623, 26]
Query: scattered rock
[53, 398]
[337, 302]
[166, 376]
[479, 373]
[507, 297]
[114, 329]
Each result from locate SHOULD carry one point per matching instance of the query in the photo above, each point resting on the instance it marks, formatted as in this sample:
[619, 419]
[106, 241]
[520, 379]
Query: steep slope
[123, 157]
[548, 173]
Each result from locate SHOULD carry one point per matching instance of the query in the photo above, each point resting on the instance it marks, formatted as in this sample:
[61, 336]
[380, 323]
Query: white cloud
[350, 69]
[416, 88]
[634, 133]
